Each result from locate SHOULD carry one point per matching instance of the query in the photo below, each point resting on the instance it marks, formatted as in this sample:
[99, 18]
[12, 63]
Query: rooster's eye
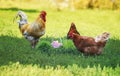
[104, 37]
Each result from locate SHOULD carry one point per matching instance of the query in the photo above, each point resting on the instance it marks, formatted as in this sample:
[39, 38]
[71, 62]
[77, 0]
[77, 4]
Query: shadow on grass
[13, 49]
[16, 9]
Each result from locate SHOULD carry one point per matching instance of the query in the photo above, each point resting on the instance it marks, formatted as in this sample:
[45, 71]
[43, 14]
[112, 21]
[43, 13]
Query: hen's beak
[68, 36]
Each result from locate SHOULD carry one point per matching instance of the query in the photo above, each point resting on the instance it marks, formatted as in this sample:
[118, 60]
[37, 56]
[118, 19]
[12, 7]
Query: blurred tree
[90, 4]
[96, 4]
[60, 4]
[114, 4]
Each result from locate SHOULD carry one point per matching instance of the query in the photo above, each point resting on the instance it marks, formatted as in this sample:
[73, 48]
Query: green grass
[34, 70]
[17, 58]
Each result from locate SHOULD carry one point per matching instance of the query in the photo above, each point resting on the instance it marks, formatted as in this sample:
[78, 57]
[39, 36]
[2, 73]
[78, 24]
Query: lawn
[17, 58]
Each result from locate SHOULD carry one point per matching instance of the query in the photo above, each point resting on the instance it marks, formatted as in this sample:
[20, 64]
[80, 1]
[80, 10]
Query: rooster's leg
[34, 42]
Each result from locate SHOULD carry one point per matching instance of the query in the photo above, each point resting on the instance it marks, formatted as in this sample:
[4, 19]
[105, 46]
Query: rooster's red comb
[43, 12]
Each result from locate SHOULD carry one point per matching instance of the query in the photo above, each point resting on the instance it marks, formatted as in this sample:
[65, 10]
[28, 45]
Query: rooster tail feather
[23, 18]
[15, 18]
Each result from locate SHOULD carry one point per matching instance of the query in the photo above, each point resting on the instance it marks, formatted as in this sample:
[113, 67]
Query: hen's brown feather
[85, 44]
